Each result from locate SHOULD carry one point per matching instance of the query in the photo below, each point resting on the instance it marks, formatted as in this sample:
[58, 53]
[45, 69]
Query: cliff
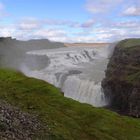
[122, 83]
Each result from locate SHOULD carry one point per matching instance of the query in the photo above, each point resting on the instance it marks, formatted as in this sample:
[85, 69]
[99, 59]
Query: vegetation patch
[129, 43]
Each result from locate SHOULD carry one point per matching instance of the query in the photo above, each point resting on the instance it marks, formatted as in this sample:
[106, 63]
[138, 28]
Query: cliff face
[122, 82]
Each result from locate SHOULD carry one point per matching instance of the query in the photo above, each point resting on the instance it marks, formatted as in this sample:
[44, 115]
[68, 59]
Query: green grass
[129, 43]
[65, 119]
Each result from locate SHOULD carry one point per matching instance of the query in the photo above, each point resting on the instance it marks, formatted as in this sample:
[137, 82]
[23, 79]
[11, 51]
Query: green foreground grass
[64, 118]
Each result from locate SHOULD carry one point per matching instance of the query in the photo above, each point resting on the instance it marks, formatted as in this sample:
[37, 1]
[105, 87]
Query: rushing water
[78, 72]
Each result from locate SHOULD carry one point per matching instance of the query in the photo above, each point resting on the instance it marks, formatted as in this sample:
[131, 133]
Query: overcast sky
[70, 20]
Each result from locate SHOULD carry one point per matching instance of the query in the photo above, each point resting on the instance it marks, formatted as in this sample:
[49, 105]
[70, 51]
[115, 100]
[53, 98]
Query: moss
[64, 118]
[3, 126]
[134, 78]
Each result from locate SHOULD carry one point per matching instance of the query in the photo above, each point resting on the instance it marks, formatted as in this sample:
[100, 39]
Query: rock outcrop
[122, 83]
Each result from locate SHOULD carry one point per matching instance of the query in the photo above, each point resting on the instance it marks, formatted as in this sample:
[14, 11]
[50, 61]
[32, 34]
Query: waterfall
[85, 91]
[78, 72]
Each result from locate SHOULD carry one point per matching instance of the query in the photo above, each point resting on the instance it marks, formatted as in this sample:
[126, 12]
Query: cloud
[33, 23]
[37, 33]
[60, 22]
[101, 6]
[49, 33]
[6, 31]
[91, 30]
[110, 32]
[132, 11]
[88, 23]
[103, 33]
[105, 24]
[73, 24]
[3, 13]
[126, 24]
[1, 6]
[29, 24]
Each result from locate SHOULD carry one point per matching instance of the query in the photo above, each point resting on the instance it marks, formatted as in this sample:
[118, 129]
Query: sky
[70, 20]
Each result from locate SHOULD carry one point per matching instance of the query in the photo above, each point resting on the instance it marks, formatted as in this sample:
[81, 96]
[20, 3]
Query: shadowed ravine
[78, 72]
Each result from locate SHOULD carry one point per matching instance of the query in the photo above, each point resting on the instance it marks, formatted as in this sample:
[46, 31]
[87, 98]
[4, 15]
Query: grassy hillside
[63, 118]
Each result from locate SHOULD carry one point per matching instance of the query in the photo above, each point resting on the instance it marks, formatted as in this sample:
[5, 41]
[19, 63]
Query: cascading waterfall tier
[78, 72]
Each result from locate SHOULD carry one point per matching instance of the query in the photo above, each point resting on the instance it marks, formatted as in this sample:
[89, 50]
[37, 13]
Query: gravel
[17, 125]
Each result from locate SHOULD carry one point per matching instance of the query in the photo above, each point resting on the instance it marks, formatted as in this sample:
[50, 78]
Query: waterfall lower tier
[78, 72]
[85, 91]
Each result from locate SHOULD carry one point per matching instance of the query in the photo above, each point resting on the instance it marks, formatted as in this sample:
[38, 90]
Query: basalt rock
[122, 82]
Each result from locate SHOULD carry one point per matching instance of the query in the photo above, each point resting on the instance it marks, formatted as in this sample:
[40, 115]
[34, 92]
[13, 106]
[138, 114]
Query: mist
[13, 52]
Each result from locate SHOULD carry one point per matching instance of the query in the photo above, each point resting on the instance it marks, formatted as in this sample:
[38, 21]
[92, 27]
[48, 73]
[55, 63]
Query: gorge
[34, 109]
[79, 71]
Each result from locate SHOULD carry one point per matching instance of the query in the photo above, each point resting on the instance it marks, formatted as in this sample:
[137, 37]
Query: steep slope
[61, 118]
[122, 82]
